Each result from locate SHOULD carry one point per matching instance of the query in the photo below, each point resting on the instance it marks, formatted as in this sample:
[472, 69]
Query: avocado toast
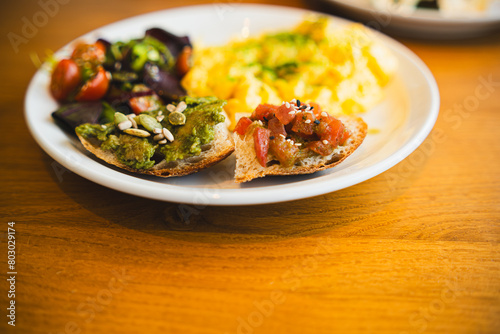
[178, 140]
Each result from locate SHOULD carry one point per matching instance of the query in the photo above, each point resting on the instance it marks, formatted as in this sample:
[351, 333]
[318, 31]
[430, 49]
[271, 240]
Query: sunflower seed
[159, 137]
[125, 125]
[181, 106]
[137, 132]
[168, 134]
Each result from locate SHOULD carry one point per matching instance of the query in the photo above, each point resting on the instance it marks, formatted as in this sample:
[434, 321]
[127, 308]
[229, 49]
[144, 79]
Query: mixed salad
[101, 78]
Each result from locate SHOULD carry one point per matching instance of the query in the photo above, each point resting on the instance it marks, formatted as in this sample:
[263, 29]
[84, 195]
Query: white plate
[404, 118]
[421, 23]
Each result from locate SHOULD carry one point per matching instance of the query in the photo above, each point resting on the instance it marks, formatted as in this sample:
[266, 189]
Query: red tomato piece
[276, 127]
[242, 125]
[65, 78]
[91, 53]
[101, 46]
[263, 110]
[183, 63]
[285, 151]
[321, 148]
[331, 130]
[95, 88]
[144, 103]
[303, 124]
[286, 113]
[344, 137]
[261, 142]
[316, 109]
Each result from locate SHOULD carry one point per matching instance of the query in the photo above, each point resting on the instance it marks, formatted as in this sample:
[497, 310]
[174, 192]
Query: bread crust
[248, 167]
[220, 148]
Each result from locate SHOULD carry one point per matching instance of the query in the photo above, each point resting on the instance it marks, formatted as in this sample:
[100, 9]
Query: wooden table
[413, 250]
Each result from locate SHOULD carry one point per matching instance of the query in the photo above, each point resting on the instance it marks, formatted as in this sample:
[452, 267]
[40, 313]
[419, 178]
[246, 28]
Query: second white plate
[421, 23]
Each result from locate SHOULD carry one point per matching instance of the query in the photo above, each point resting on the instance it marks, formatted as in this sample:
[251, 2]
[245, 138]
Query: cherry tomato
[242, 125]
[261, 142]
[89, 53]
[285, 151]
[95, 88]
[65, 78]
[316, 109]
[183, 63]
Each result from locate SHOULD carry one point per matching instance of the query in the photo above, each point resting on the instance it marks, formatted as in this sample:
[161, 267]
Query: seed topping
[125, 125]
[168, 134]
[137, 132]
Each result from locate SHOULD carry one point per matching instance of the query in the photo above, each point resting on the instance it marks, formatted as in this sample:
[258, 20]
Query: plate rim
[225, 197]
[435, 18]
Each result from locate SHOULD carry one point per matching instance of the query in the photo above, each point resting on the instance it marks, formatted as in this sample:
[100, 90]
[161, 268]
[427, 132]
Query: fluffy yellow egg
[343, 69]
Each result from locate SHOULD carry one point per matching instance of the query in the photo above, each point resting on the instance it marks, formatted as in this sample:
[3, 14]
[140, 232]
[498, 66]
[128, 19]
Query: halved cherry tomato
[263, 111]
[95, 88]
[261, 142]
[242, 125]
[91, 53]
[65, 78]
[183, 63]
[303, 124]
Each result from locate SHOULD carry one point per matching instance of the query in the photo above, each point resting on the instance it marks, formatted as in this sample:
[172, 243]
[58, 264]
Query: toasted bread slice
[248, 167]
[221, 147]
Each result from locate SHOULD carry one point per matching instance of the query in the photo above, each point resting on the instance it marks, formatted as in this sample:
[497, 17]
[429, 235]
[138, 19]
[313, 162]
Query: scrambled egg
[344, 69]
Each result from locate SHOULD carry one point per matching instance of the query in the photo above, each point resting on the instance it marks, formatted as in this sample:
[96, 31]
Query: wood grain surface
[413, 250]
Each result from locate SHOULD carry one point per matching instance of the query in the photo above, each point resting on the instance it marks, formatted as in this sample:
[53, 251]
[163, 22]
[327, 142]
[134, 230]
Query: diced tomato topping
[263, 111]
[331, 130]
[321, 148]
[276, 127]
[261, 142]
[95, 88]
[285, 114]
[183, 63]
[285, 151]
[303, 124]
[316, 131]
[242, 125]
[65, 78]
[316, 109]
[102, 46]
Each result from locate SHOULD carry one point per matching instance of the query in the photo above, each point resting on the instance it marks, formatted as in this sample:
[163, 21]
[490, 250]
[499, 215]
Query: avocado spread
[139, 152]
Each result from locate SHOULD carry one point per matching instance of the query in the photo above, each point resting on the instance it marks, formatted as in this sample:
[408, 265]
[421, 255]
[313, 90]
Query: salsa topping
[291, 131]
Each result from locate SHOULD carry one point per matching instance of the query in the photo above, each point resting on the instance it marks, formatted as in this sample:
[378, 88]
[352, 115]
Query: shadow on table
[238, 224]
